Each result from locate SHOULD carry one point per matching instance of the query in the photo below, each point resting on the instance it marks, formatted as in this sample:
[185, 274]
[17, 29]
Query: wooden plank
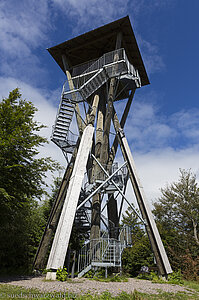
[39, 260]
[63, 232]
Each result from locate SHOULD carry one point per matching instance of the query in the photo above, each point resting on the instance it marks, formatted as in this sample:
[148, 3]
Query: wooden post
[113, 217]
[62, 236]
[96, 202]
[112, 208]
[151, 228]
[114, 147]
[104, 149]
[73, 265]
[39, 260]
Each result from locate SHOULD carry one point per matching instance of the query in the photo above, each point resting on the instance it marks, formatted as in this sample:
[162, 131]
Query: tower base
[51, 276]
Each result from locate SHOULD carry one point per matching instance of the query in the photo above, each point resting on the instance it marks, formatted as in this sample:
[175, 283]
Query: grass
[111, 279]
[8, 291]
[191, 285]
[13, 292]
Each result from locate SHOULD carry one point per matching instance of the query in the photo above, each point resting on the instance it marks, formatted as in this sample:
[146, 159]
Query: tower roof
[95, 43]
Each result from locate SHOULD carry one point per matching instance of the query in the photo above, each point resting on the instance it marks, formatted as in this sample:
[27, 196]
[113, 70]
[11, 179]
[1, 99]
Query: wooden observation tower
[102, 66]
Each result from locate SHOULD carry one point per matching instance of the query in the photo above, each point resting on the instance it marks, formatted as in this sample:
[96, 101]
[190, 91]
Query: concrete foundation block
[51, 276]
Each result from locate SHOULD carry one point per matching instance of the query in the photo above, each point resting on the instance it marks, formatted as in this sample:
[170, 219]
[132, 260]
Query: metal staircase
[61, 135]
[94, 83]
[103, 252]
[98, 178]
[87, 82]
[112, 64]
[83, 217]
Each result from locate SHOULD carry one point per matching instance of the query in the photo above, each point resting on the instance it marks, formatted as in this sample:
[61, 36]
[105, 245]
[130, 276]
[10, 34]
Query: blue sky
[163, 124]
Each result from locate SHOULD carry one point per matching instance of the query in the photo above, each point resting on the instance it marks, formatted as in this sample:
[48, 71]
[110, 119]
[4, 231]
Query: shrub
[175, 277]
[62, 274]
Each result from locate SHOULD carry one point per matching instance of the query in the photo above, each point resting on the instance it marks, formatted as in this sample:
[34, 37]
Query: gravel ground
[83, 286]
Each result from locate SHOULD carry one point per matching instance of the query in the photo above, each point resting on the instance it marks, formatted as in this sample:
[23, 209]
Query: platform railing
[100, 176]
[111, 64]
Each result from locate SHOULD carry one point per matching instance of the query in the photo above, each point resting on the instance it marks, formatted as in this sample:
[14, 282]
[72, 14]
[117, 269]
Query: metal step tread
[84, 271]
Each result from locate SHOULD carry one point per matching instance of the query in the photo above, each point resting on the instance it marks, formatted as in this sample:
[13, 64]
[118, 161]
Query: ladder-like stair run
[94, 83]
[82, 217]
[62, 124]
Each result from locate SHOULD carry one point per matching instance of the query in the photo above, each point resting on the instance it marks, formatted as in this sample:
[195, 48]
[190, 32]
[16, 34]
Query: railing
[125, 236]
[84, 259]
[104, 251]
[98, 177]
[95, 65]
[107, 63]
[100, 252]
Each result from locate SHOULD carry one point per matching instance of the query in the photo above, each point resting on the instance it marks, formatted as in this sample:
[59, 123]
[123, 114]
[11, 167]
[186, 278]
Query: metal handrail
[104, 65]
[105, 250]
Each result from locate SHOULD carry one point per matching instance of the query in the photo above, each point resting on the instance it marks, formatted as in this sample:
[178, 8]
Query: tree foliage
[22, 175]
[140, 254]
[177, 214]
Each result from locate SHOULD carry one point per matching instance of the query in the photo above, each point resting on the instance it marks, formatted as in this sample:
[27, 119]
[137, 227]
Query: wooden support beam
[77, 166]
[62, 236]
[104, 148]
[109, 110]
[112, 208]
[39, 260]
[96, 201]
[114, 147]
[93, 112]
[113, 218]
[151, 228]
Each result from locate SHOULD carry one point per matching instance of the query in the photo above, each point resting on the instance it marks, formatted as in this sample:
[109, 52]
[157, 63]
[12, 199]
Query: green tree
[140, 254]
[177, 215]
[47, 204]
[21, 181]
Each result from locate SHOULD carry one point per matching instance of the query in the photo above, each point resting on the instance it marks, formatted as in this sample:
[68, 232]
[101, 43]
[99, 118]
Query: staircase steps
[94, 83]
[84, 271]
[105, 252]
[82, 220]
[112, 64]
[62, 124]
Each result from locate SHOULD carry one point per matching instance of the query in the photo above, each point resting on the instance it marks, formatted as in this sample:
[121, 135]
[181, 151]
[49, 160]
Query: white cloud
[161, 167]
[25, 20]
[152, 59]
[148, 128]
[24, 25]
[93, 12]
[188, 122]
